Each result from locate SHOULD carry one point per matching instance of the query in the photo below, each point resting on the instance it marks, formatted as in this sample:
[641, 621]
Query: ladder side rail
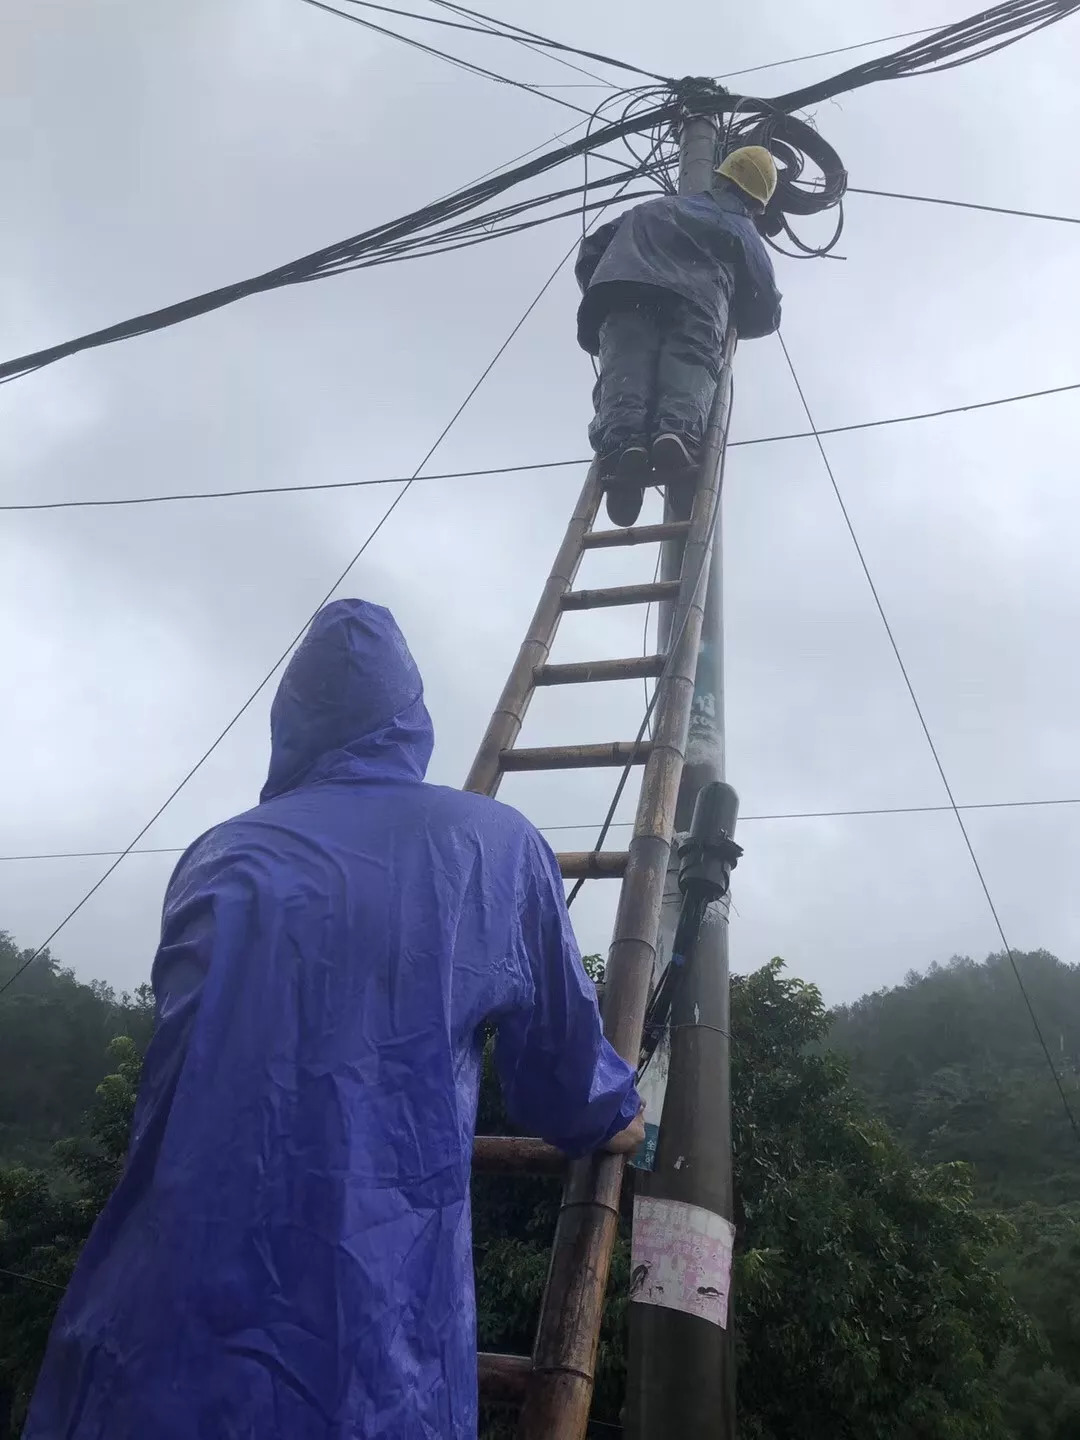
[505, 723]
[559, 1393]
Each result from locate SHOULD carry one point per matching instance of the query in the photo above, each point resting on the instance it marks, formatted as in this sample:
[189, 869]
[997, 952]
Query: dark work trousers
[659, 364]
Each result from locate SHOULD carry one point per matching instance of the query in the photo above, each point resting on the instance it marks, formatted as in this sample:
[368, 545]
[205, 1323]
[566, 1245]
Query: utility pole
[681, 1377]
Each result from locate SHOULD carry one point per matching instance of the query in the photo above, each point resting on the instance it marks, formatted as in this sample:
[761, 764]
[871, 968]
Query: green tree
[866, 1302]
[1041, 1378]
[951, 1060]
[44, 1222]
[54, 1034]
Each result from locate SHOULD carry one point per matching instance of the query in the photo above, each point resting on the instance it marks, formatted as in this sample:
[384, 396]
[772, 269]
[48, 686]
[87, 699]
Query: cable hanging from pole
[655, 111]
[280, 661]
[261, 686]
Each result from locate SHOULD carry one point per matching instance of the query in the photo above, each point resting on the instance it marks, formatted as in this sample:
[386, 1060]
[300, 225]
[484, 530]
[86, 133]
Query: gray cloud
[151, 157]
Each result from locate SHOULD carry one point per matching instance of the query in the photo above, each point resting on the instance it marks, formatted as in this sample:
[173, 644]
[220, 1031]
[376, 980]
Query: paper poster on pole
[680, 1257]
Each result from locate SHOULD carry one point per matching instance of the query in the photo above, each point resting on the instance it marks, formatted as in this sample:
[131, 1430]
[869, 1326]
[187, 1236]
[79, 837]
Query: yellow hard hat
[753, 170]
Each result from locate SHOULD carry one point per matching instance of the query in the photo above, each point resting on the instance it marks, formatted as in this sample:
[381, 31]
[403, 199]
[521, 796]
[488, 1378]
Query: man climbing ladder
[660, 285]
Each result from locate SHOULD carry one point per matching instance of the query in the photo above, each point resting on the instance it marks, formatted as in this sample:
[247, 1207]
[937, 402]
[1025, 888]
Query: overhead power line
[627, 824]
[300, 633]
[437, 227]
[506, 25]
[261, 686]
[428, 230]
[773, 64]
[538, 44]
[965, 205]
[743, 819]
[493, 29]
[294, 489]
[459, 61]
[516, 469]
[968, 40]
[100, 854]
[823, 54]
[931, 745]
[908, 419]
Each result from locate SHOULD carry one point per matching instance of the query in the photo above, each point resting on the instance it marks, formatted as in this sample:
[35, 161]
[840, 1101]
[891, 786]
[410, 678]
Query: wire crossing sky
[428, 231]
[129, 634]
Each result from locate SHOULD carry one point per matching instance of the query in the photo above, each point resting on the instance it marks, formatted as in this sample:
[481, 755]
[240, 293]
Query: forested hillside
[54, 1034]
[885, 1290]
[952, 1062]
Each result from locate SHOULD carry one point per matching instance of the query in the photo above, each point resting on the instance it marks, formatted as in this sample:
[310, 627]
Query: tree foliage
[54, 1035]
[878, 1291]
[44, 1220]
[951, 1061]
[866, 1302]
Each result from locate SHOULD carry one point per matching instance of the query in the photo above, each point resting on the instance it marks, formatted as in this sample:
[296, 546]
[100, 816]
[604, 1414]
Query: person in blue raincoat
[659, 286]
[288, 1253]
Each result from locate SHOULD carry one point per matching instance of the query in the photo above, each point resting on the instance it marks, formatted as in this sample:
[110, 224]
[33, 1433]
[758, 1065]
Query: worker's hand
[628, 1140]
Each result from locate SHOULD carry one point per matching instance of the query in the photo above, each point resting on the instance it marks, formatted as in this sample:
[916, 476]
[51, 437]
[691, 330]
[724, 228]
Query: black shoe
[675, 464]
[673, 455]
[626, 485]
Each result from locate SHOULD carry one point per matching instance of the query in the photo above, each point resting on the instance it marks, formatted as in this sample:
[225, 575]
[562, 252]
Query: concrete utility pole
[681, 1379]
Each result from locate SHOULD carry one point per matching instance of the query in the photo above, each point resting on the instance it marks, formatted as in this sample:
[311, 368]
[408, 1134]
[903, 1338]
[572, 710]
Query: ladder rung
[503, 1377]
[515, 1155]
[637, 667]
[592, 864]
[576, 757]
[621, 595]
[638, 535]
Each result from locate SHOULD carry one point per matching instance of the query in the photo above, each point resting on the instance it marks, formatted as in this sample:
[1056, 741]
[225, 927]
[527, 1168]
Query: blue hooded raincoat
[288, 1254]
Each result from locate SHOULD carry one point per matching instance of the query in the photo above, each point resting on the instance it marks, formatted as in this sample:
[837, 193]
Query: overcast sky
[149, 152]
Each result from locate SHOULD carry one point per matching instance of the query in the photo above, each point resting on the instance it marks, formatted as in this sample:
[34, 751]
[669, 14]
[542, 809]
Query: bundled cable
[654, 112]
[971, 39]
[792, 143]
[390, 240]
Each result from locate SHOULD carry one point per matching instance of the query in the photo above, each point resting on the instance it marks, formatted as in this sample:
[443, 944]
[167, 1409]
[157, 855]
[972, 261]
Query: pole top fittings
[698, 95]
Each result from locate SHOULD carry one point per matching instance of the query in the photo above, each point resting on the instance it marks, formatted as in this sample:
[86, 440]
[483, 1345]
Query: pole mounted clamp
[698, 95]
[708, 854]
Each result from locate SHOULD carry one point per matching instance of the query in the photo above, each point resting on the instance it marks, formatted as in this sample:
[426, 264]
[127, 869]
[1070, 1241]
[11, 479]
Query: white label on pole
[652, 1087]
[680, 1257]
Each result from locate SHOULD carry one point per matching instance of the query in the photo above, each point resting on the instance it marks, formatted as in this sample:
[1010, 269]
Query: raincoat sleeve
[757, 300]
[757, 312]
[591, 251]
[560, 1077]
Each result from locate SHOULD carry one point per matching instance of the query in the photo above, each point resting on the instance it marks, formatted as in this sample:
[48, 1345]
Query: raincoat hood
[350, 704]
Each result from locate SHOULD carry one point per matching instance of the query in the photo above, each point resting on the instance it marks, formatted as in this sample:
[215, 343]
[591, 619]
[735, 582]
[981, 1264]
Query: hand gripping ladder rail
[554, 1385]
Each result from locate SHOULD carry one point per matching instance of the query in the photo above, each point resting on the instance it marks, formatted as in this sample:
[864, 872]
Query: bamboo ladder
[554, 1385]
